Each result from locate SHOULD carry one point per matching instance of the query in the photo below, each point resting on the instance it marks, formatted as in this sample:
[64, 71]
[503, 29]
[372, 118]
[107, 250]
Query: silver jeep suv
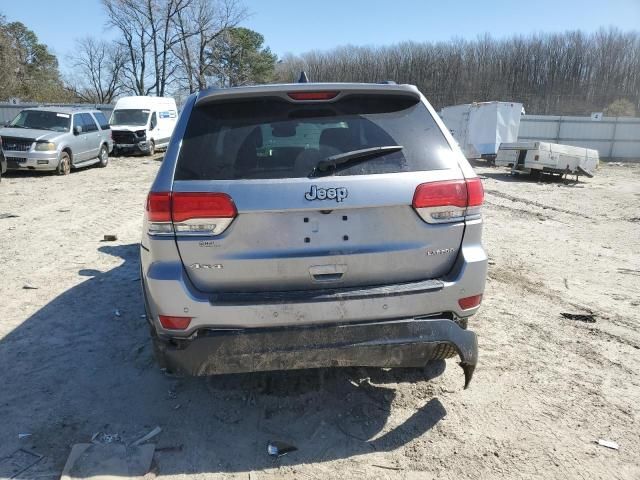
[312, 225]
[57, 138]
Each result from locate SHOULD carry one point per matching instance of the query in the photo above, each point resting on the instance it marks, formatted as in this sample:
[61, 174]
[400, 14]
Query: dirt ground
[75, 357]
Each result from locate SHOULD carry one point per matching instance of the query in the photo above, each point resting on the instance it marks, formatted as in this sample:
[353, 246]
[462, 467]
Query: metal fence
[615, 138]
[9, 110]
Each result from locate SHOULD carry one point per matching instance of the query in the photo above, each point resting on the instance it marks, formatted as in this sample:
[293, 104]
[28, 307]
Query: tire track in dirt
[514, 198]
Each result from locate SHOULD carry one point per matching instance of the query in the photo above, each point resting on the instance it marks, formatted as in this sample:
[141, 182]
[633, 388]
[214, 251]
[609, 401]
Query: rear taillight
[159, 206]
[159, 213]
[189, 213]
[174, 323]
[312, 95]
[449, 200]
[468, 303]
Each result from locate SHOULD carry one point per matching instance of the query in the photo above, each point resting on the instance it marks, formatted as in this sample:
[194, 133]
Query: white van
[143, 124]
[537, 157]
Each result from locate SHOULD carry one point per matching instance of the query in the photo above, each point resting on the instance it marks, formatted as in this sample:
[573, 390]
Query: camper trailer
[480, 128]
[539, 157]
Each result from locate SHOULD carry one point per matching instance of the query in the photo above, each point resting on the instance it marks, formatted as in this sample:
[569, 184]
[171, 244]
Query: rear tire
[64, 166]
[103, 156]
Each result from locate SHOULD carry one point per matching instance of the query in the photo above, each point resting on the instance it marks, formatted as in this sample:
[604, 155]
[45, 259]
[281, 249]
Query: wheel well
[68, 152]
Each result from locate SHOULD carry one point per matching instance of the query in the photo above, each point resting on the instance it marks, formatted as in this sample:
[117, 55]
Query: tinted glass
[274, 138]
[102, 120]
[42, 120]
[89, 123]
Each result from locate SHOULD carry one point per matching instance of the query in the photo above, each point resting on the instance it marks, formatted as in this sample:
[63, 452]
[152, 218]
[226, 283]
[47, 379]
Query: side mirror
[77, 130]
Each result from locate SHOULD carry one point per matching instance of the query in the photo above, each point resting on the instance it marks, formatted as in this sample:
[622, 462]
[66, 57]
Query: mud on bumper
[398, 343]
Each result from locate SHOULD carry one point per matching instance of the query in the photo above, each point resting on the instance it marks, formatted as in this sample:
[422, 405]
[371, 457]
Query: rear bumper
[398, 343]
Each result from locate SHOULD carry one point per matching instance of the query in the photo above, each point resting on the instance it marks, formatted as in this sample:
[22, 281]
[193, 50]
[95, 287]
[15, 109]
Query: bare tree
[136, 40]
[168, 41]
[199, 26]
[97, 69]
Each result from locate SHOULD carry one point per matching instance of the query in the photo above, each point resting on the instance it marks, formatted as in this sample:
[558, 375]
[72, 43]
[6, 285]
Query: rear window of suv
[273, 138]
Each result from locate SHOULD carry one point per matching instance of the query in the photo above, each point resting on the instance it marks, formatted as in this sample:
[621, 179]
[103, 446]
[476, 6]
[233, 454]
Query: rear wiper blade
[331, 164]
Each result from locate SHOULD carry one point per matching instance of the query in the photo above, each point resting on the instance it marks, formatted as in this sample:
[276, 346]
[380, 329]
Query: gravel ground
[76, 359]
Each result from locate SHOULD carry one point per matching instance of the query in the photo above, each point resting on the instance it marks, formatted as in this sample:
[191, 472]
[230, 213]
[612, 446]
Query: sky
[299, 26]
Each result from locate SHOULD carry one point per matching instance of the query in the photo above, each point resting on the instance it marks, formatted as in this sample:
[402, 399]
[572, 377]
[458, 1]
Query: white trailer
[538, 157]
[480, 128]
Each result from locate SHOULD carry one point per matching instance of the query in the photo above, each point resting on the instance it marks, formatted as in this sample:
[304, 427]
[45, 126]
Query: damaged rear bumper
[397, 343]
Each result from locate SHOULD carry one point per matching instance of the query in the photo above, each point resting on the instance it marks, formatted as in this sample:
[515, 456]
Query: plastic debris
[580, 317]
[147, 437]
[117, 313]
[609, 444]
[23, 435]
[110, 238]
[106, 438]
[90, 460]
[278, 449]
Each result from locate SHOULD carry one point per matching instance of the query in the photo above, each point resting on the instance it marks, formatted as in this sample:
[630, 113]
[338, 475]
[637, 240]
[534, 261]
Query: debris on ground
[116, 312]
[278, 449]
[170, 449]
[110, 238]
[89, 460]
[28, 286]
[580, 317]
[609, 444]
[106, 438]
[23, 435]
[147, 437]
[18, 462]
[8, 215]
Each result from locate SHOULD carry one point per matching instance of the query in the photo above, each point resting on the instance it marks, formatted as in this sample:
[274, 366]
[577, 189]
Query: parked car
[3, 161]
[143, 124]
[57, 138]
[312, 225]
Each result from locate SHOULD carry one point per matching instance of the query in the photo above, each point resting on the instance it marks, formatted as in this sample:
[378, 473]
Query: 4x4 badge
[315, 193]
